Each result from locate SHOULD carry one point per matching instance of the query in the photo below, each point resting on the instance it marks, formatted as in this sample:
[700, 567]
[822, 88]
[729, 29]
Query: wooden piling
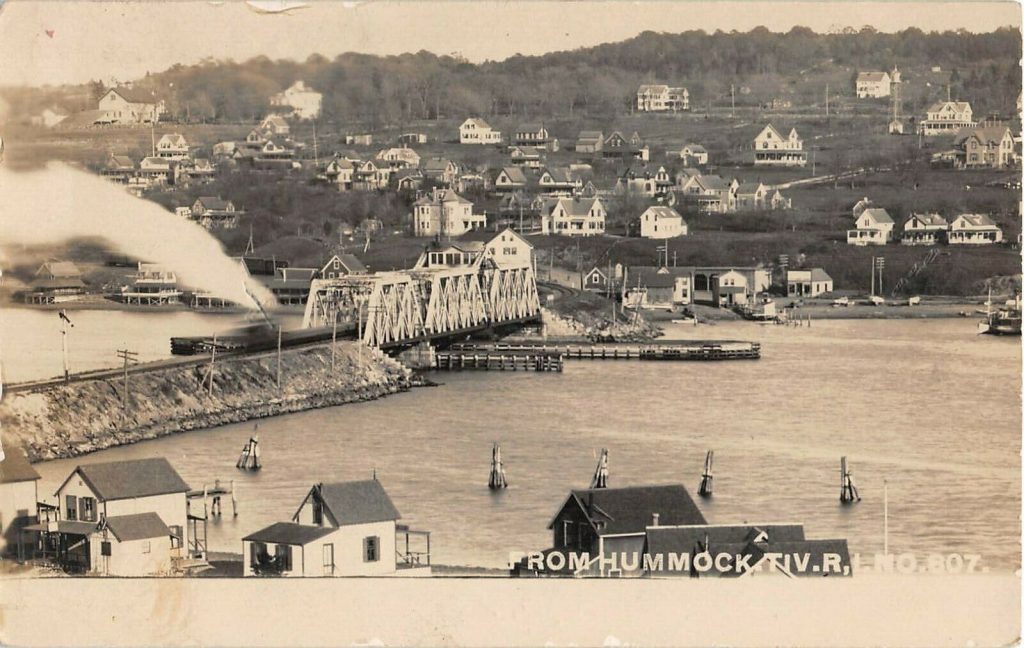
[706, 477]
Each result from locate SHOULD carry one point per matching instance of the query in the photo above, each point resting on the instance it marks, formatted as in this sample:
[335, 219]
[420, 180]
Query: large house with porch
[924, 229]
[974, 229]
[874, 226]
[120, 518]
[340, 529]
[946, 118]
[772, 148]
[575, 216]
[444, 213]
[476, 131]
[661, 98]
[173, 146]
[985, 147]
[130, 106]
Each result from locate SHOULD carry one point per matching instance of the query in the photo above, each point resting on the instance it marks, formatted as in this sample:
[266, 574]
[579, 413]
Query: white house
[873, 84]
[711, 194]
[752, 195]
[974, 229]
[924, 229]
[772, 148]
[172, 146]
[340, 529]
[873, 227]
[305, 102]
[659, 222]
[120, 518]
[274, 124]
[661, 98]
[573, 216]
[18, 497]
[444, 213]
[476, 131]
[341, 172]
[130, 106]
[694, 155]
[809, 282]
[342, 265]
[947, 117]
[399, 158]
[510, 179]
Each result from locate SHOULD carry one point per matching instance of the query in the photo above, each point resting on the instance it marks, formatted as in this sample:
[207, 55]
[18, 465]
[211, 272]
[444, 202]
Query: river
[927, 406]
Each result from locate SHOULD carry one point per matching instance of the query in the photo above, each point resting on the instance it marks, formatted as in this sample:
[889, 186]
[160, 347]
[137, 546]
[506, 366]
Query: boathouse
[340, 529]
[120, 518]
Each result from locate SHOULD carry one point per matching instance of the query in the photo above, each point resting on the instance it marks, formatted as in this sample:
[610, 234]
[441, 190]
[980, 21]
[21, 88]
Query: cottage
[54, 282]
[946, 118]
[728, 286]
[618, 146]
[441, 170]
[159, 171]
[340, 529]
[924, 229]
[536, 135]
[526, 156]
[130, 106]
[275, 125]
[659, 222]
[304, 101]
[341, 172]
[213, 212]
[986, 146]
[444, 213]
[172, 146]
[19, 485]
[465, 251]
[399, 158]
[644, 180]
[119, 168]
[601, 280]
[751, 195]
[860, 206]
[974, 229]
[504, 249]
[120, 518]
[510, 179]
[694, 155]
[369, 176]
[711, 194]
[873, 85]
[772, 149]
[874, 226]
[342, 265]
[809, 282]
[590, 142]
[476, 131]
[654, 287]
[573, 216]
[407, 180]
[661, 98]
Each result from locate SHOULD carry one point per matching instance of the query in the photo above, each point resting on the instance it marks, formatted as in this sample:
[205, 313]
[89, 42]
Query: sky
[53, 42]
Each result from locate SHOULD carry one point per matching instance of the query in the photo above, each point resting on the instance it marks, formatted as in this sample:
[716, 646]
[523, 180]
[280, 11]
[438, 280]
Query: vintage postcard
[479, 323]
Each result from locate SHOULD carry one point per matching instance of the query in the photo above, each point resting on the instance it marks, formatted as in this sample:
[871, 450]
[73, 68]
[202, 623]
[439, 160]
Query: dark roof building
[631, 509]
[289, 533]
[138, 526]
[15, 466]
[355, 502]
[133, 478]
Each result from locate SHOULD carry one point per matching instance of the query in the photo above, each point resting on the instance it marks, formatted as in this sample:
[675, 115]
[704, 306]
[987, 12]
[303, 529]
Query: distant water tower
[896, 121]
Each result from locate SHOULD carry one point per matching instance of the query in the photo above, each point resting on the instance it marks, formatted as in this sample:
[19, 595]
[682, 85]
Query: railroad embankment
[81, 417]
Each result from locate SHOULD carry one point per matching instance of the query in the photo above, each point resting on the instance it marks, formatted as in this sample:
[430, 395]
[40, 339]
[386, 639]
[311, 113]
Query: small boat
[1005, 321]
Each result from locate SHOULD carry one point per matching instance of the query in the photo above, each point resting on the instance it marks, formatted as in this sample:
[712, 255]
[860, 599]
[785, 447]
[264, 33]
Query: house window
[257, 550]
[371, 549]
[146, 547]
[71, 507]
[177, 537]
[105, 549]
[87, 509]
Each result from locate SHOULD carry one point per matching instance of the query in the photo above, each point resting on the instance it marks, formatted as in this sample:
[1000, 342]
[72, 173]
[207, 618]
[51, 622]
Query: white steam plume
[59, 203]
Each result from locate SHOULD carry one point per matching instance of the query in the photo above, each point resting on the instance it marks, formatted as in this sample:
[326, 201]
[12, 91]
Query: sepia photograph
[657, 323]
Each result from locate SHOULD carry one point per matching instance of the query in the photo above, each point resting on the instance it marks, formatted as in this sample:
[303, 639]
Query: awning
[64, 526]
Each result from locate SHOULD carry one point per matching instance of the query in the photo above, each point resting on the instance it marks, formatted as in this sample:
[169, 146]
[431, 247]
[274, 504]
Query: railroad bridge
[405, 307]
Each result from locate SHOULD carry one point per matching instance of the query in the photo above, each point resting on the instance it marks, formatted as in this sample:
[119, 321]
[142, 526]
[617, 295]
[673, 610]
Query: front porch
[412, 551]
[866, 237]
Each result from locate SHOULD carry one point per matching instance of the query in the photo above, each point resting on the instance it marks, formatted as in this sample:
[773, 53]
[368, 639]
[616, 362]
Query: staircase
[915, 270]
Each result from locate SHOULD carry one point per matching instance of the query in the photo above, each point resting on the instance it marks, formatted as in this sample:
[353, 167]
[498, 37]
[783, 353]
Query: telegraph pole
[873, 276]
[213, 358]
[127, 356]
[881, 265]
[334, 337]
[279, 356]
[65, 323]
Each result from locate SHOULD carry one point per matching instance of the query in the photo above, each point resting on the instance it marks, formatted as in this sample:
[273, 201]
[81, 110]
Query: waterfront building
[120, 518]
[924, 229]
[340, 529]
[808, 282]
[874, 226]
[974, 229]
[342, 265]
[119, 168]
[657, 288]
[771, 148]
[19, 495]
[56, 281]
[153, 285]
[649, 286]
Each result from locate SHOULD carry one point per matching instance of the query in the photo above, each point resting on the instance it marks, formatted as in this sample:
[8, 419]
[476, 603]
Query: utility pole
[213, 359]
[881, 265]
[826, 101]
[65, 323]
[127, 356]
[279, 356]
[579, 263]
[732, 92]
[334, 337]
[316, 156]
[359, 333]
[872, 276]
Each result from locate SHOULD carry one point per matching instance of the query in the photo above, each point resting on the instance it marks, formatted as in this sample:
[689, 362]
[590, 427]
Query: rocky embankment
[585, 325]
[74, 419]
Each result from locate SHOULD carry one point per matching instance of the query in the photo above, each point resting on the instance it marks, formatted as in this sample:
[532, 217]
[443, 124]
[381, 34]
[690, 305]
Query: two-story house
[535, 135]
[773, 149]
[874, 226]
[340, 529]
[873, 85]
[130, 106]
[986, 146]
[19, 496]
[476, 131]
[573, 216]
[444, 213]
[441, 170]
[661, 98]
[808, 282]
[590, 141]
[660, 222]
[644, 180]
[618, 146]
[214, 212]
[510, 178]
[119, 518]
[275, 125]
[946, 118]
[172, 146]
[974, 229]
[304, 101]
[341, 173]
[693, 155]
[559, 181]
[711, 194]
[399, 158]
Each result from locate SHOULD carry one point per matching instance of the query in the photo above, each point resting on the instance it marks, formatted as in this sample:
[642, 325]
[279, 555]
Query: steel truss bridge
[406, 307]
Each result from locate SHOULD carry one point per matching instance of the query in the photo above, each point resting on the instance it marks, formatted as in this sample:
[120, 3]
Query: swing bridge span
[407, 307]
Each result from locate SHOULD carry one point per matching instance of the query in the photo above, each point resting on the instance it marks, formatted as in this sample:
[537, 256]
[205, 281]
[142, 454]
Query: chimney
[590, 501]
[654, 521]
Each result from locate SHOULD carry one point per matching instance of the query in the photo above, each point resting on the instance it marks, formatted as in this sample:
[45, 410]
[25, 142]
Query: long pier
[498, 360]
[701, 350]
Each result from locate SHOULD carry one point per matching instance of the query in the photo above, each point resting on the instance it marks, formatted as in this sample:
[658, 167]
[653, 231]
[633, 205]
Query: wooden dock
[668, 351]
[497, 360]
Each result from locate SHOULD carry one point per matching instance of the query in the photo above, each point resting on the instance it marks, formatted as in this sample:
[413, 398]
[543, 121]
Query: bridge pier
[421, 356]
